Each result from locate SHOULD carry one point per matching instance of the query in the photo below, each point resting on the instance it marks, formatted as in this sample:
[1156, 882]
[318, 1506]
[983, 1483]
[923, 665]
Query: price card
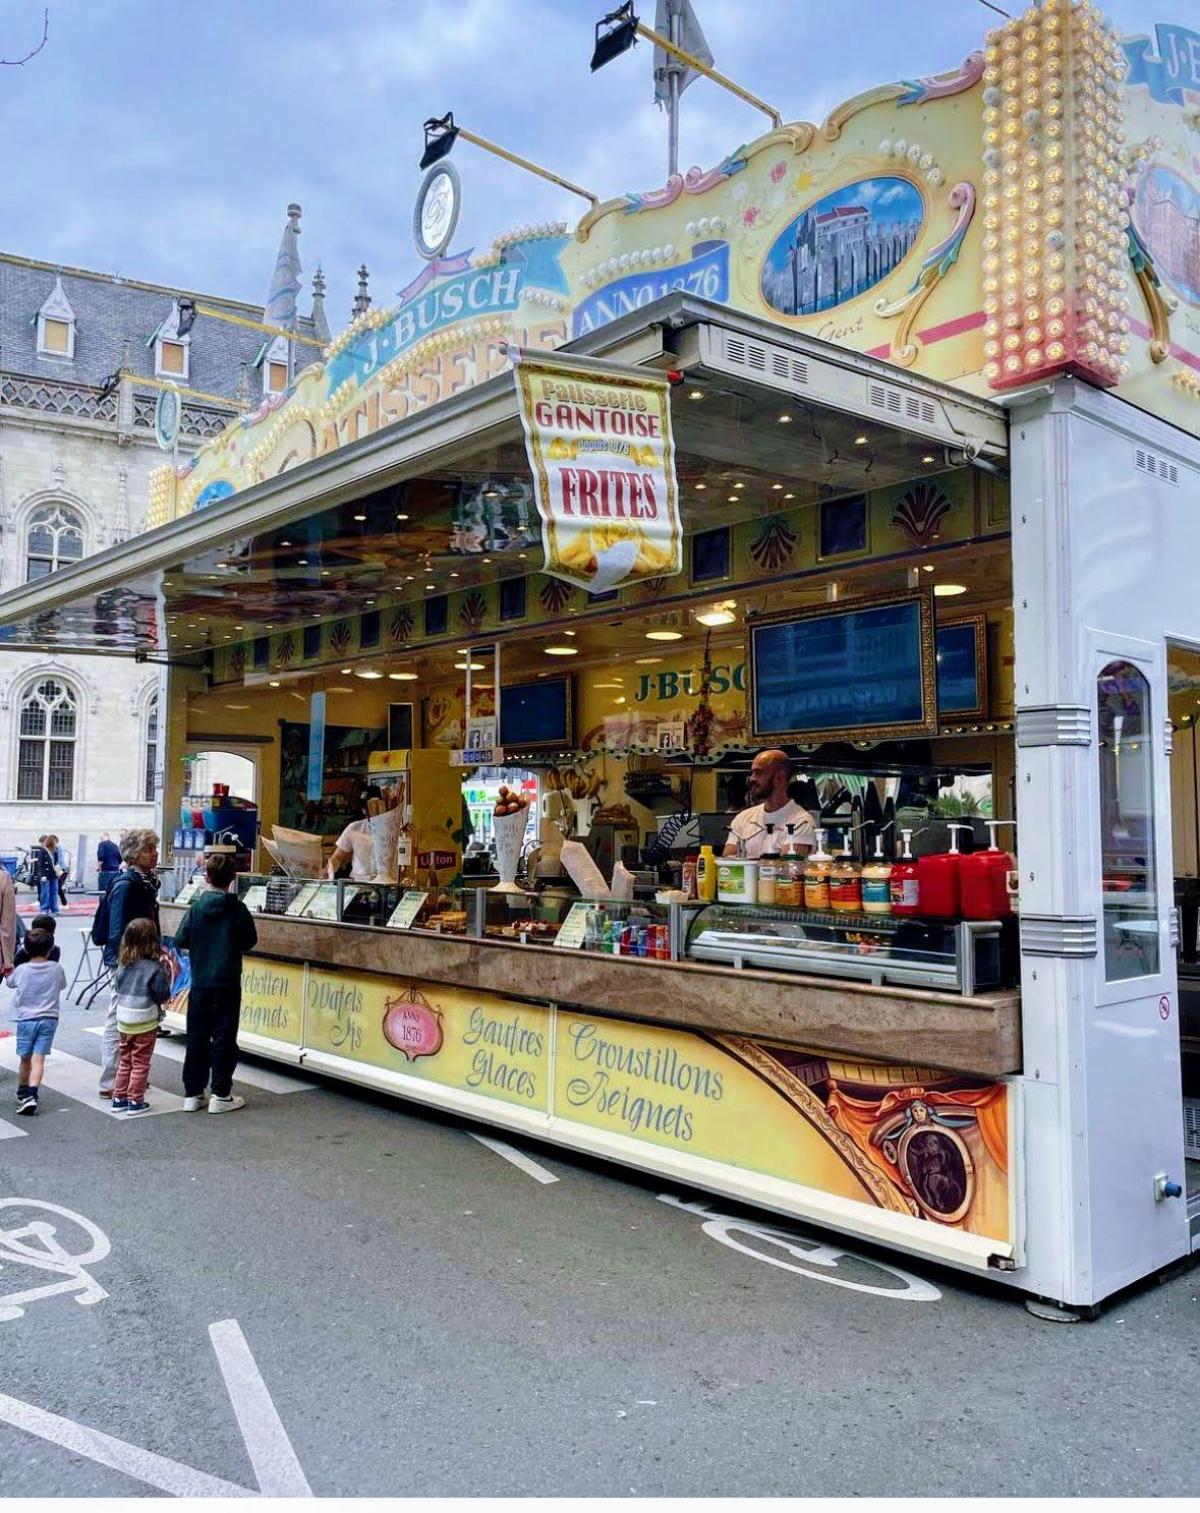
[324, 903]
[405, 913]
[255, 899]
[574, 928]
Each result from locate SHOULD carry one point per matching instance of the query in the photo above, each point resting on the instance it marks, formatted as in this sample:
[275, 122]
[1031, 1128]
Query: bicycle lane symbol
[805, 1254]
[35, 1242]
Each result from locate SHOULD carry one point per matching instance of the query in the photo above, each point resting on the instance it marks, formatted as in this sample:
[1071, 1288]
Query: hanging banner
[315, 786]
[603, 459]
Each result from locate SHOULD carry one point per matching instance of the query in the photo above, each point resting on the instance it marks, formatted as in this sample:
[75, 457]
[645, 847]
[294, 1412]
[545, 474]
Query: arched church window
[48, 733]
[54, 539]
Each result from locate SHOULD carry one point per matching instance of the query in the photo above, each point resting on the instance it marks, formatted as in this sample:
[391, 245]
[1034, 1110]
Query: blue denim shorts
[35, 1036]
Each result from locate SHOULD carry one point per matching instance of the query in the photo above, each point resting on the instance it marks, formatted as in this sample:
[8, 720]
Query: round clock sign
[436, 212]
[166, 419]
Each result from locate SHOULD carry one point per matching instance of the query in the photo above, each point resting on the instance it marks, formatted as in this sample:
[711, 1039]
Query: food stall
[875, 443]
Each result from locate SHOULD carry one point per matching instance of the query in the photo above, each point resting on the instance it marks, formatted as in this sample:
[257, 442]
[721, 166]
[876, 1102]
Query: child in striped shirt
[142, 987]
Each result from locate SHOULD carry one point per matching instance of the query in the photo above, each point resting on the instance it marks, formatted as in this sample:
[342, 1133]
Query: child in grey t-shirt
[37, 985]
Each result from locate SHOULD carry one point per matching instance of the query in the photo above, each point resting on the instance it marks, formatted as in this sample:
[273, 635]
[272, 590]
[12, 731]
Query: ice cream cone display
[510, 817]
[385, 817]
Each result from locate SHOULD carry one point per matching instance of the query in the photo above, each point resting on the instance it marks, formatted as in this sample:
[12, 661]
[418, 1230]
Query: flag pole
[674, 72]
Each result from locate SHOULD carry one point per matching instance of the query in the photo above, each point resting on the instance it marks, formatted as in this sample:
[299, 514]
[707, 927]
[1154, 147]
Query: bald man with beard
[770, 774]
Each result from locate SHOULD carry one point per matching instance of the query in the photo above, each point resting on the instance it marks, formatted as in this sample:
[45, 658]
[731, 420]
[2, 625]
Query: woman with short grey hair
[134, 895]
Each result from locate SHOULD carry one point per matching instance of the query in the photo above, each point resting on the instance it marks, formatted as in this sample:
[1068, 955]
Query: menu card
[404, 915]
[573, 929]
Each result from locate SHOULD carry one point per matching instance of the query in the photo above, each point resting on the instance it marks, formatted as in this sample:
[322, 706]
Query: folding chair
[86, 964]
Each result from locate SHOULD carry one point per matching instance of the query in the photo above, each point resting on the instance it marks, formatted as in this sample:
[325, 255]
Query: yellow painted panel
[273, 1000]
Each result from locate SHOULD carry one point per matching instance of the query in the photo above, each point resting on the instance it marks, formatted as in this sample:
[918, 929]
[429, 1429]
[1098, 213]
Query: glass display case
[342, 902]
[957, 956]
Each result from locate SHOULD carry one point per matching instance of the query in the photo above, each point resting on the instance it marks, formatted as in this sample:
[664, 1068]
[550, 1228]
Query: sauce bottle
[768, 869]
[983, 879]
[877, 882]
[785, 892]
[816, 876]
[706, 876]
[938, 879]
[845, 880]
[903, 881]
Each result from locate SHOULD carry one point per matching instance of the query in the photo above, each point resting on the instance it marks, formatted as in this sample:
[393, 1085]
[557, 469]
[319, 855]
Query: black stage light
[615, 34]
[440, 136]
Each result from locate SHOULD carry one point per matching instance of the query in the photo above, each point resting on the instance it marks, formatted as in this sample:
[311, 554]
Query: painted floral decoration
[472, 612]
[653, 588]
[286, 653]
[919, 513]
[400, 626]
[775, 544]
[238, 661]
[778, 172]
[554, 595]
[341, 638]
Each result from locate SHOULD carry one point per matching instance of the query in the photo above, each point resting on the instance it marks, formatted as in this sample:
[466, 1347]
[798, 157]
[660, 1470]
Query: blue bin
[10, 861]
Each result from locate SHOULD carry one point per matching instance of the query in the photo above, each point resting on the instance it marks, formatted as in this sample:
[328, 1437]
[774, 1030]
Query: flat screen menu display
[961, 668]
[536, 714]
[861, 673]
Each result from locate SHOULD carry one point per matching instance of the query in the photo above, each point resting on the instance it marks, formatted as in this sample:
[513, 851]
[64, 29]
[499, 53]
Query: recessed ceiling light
[664, 635]
[360, 517]
[369, 673]
[594, 685]
[345, 671]
[861, 441]
[700, 487]
[927, 567]
[237, 706]
[739, 485]
[784, 419]
[325, 572]
[370, 601]
[338, 688]
[777, 486]
[428, 586]
[302, 561]
[454, 575]
[733, 498]
[789, 496]
[401, 517]
[561, 651]
[949, 590]
[487, 559]
[522, 555]
[621, 700]
[929, 457]
[472, 666]
[222, 564]
[274, 682]
[695, 393]
[570, 632]
[719, 614]
[403, 677]
[285, 543]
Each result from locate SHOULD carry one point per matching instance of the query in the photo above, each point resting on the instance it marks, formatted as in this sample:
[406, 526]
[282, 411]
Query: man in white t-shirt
[770, 774]
[355, 845]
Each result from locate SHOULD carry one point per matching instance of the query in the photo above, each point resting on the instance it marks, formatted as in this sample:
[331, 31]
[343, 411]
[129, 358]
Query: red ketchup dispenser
[983, 879]
[904, 880]
[937, 880]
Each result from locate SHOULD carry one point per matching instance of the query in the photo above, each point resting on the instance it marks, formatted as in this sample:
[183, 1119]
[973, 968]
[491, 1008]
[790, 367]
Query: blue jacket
[108, 856]
[132, 896]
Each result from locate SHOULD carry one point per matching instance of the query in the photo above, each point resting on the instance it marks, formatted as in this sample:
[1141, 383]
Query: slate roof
[109, 310]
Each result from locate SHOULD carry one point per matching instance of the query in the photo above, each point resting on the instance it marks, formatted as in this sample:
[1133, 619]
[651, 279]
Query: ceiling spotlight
[360, 517]
[471, 666]
[345, 671]
[949, 590]
[661, 635]
[274, 682]
[719, 614]
[561, 651]
[403, 677]
[784, 420]
[369, 673]
[401, 517]
[302, 561]
[929, 457]
[861, 441]
[700, 487]
[695, 393]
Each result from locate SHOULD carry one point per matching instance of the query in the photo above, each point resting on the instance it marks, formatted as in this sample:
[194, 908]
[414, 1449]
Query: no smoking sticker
[1164, 1007]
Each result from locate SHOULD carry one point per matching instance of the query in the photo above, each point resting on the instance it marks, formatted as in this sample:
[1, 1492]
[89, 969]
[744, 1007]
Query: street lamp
[441, 133]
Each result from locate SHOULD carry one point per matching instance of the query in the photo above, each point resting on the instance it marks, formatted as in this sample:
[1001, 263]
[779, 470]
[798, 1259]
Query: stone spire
[280, 308]
[362, 300]
[319, 322]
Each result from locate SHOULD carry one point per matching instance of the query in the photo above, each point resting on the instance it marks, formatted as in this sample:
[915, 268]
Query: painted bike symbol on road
[808, 1253]
[65, 1247]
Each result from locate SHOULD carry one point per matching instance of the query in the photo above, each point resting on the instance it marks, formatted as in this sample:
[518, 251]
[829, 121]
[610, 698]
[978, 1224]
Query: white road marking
[143, 1465]
[77, 1079]
[10, 1131]
[723, 1227]
[518, 1158]
[271, 1454]
[34, 1243]
[255, 1076]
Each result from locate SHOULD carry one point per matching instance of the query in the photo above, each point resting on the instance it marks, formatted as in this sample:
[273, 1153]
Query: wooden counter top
[980, 1034]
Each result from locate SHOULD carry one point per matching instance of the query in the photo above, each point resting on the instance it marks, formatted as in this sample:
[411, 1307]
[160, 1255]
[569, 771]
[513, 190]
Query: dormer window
[273, 362]
[171, 351]
[277, 377]
[56, 325]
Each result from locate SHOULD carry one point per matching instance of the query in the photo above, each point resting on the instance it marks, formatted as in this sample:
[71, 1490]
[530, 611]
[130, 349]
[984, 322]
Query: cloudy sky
[163, 139]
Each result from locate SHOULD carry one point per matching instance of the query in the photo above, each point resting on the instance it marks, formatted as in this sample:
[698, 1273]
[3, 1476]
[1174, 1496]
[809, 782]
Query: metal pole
[673, 78]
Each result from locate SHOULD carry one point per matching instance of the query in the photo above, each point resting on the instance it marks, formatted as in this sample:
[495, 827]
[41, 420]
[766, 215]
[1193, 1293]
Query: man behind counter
[770, 774]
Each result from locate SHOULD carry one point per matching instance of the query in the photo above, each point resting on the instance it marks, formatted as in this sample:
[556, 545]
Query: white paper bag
[583, 871]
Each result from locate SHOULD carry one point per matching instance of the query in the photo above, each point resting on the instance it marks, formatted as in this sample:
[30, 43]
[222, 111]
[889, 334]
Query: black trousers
[212, 1026]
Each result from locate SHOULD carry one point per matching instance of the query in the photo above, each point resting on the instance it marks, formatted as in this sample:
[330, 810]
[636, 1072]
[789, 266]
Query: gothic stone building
[79, 749]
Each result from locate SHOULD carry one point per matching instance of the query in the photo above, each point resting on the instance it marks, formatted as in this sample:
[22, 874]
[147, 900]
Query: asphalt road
[422, 1316]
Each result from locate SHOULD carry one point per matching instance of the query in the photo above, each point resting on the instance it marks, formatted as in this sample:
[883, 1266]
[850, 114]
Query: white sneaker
[193, 1105]
[225, 1105]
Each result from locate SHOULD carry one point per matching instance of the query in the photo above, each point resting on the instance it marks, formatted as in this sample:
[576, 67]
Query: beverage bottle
[768, 869]
[877, 882]
[938, 877]
[845, 880]
[706, 876]
[795, 867]
[816, 876]
[906, 895]
[983, 879]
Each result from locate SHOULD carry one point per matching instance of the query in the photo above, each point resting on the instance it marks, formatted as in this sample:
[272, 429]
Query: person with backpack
[43, 874]
[108, 863]
[134, 895]
[215, 932]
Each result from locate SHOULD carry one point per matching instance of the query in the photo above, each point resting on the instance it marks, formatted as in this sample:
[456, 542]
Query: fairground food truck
[875, 443]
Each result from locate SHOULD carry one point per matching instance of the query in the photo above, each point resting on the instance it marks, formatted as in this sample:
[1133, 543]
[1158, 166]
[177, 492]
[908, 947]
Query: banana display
[575, 783]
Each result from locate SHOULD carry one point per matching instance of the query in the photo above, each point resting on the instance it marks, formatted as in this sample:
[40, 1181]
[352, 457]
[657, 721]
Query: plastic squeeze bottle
[706, 875]
[983, 879]
[816, 876]
[938, 877]
[768, 869]
[845, 880]
[903, 881]
[877, 882]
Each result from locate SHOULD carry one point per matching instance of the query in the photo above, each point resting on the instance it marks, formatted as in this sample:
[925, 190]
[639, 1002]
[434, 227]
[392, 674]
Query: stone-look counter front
[980, 1035]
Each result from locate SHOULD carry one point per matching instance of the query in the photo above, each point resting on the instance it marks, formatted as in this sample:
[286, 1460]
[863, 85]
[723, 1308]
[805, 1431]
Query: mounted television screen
[536, 714]
[962, 668]
[862, 673]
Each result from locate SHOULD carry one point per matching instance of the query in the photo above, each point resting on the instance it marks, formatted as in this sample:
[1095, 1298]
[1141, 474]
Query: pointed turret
[362, 300]
[320, 324]
[280, 309]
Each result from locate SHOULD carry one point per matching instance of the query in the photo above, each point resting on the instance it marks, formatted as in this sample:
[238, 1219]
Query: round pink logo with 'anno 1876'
[412, 1025]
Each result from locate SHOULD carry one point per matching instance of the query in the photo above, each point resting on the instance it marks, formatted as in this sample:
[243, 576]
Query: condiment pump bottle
[816, 876]
[904, 880]
[938, 880]
[845, 880]
[983, 879]
[877, 882]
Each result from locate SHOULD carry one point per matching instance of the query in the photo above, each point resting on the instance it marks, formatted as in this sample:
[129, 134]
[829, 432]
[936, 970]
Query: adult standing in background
[62, 866]
[108, 863]
[8, 922]
[134, 895]
[43, 875]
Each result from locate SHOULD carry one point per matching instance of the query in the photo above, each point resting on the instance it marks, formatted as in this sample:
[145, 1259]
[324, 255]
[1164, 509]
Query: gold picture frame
[979, 710]
[922, 600]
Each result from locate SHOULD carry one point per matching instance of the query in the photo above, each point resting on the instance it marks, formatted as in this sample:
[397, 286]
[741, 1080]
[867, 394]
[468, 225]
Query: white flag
[689, 37]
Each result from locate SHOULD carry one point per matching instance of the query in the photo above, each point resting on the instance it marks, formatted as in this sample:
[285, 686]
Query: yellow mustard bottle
[845, 882]
[816, 876]
[706, 876]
